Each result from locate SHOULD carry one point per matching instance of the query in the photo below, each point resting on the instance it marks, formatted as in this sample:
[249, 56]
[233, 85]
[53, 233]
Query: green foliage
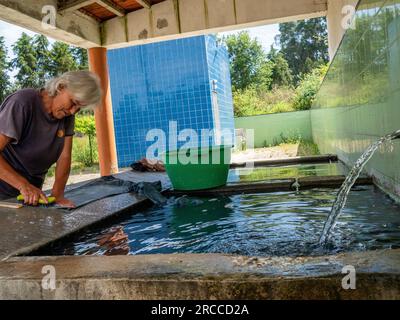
[281, 73]
[308, 88]
[86, 125]
[290, 138]
[361, 72]
[82, 160]
[84, 152]
[4, 69]
[252, 102]
[41, 47]
[25, 62]
[35, 62]
[245, 102]
[62, 59]
[80, 55]
[304, 44]
[264, 83]
[307, 148]
[248, 63]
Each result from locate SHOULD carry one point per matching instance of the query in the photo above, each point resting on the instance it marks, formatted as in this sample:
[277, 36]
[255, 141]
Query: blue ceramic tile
[154, 84]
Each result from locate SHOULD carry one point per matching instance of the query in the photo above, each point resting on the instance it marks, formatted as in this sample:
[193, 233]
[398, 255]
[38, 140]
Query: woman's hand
[32, 194]
[65, 202]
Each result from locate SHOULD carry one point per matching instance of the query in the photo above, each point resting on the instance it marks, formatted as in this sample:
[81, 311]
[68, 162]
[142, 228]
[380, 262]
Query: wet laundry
[110, 186]
[144, 165]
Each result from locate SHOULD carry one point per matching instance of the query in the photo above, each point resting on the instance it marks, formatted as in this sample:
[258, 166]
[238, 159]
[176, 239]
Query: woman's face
[64, 104]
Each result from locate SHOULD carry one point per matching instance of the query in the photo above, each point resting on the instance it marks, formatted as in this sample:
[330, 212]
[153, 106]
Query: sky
[11, 33]
[264, 34]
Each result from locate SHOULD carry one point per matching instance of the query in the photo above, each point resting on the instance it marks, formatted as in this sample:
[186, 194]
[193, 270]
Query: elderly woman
[36, 129]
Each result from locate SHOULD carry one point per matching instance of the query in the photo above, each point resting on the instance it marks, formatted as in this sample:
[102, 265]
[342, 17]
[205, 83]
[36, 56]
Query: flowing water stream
[351, 178]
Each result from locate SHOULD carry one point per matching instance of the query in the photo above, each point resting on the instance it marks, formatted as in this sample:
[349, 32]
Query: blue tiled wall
[154, 84]
[218, 69]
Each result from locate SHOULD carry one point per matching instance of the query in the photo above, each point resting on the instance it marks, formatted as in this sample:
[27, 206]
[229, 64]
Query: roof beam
[74, 5]
[112, 7]
[78, 4]
[144, 3]
[71, 27]
[172, 19]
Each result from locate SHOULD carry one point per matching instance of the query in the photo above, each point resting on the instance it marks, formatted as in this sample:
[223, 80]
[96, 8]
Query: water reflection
[115, 242]
[279, 223]
[290, 171]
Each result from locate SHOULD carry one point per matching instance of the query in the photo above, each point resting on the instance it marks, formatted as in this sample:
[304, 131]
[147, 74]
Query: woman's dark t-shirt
[37, 138]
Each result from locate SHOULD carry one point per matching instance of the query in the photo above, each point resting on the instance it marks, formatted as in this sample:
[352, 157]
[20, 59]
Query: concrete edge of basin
[144, 203]
[291, 160]
[203, 276]
[272, 185]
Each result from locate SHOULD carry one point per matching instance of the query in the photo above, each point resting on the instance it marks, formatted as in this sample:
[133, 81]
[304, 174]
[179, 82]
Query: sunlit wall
[359, 100]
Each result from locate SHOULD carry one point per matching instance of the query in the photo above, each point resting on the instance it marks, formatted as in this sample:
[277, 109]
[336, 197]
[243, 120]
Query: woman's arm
[63, 168]
[8, 174]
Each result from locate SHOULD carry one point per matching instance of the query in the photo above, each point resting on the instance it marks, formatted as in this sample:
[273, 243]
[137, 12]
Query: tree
[62, 59]
[4, 69]
[304, 44]
[248, 63]
[25, 62]
[308, 88]
[41, 48]
[81, 57]
[281, 73]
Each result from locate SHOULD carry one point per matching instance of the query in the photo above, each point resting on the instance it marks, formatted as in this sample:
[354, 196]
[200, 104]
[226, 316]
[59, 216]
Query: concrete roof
[107, 23]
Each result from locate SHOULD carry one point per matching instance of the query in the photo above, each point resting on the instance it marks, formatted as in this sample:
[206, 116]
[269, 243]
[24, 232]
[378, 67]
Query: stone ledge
[203, 276]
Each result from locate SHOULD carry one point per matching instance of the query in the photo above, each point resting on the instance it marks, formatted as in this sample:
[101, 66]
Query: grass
[307, 148]
[81, 162]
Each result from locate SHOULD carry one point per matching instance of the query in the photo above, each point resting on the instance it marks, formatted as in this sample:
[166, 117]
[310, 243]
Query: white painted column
[338, 15]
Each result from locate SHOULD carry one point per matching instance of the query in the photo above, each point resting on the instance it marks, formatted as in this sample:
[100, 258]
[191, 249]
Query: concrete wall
[339, 12]
[172, 19]
[359, 98]
[270, 128]
[72, 27]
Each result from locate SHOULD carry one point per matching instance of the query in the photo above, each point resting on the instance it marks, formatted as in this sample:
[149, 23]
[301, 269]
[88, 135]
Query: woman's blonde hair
[83, 85]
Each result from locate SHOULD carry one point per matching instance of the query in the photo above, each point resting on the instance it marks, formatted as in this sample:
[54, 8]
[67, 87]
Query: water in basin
[286, 172]
[279, 223]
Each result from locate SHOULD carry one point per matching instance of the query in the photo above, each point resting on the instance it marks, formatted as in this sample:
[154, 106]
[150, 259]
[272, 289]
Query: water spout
[351, 178]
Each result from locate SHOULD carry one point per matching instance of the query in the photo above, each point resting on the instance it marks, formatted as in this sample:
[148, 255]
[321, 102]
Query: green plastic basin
[198, 168]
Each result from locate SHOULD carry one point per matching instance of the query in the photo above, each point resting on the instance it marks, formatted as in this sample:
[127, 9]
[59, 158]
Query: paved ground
[283, 151]
[48, 183]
